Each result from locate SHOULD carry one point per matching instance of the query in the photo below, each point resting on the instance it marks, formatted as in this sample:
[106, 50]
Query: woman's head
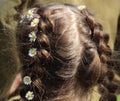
[63, 51]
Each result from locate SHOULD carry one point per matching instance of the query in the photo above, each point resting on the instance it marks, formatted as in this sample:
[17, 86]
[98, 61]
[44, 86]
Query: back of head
[64, 54]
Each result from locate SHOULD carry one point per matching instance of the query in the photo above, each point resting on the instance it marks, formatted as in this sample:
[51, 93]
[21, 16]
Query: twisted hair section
[107, 87]
[34, 47]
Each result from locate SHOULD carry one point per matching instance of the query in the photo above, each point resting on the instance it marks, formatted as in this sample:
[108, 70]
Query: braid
[107, 87]
[34, 47]
[63, 54]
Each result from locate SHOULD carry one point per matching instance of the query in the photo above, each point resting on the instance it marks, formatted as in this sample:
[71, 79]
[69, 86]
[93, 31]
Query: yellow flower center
[35, 21]
[29, 95]
[27, 79]
[33, 36]
[33, 51]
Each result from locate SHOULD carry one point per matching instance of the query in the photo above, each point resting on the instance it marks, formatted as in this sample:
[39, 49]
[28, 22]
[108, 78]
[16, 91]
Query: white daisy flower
[30, 14]
[35, 22]
[27, 80]
[29, 95]
[81, 7]
[32, 36]
[32, 52]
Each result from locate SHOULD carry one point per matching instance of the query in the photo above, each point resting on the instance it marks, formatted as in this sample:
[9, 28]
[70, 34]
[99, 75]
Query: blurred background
[107, 13]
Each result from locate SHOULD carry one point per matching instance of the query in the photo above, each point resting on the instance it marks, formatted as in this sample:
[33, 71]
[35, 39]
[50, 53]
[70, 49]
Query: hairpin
[29, 95]
[32, 36]
[81, 7]
[32, 52]
[27, 80]
[35, 22]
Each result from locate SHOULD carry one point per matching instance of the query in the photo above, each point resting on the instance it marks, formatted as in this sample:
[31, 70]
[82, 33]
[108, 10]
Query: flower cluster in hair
[90, 65]
[32, 52]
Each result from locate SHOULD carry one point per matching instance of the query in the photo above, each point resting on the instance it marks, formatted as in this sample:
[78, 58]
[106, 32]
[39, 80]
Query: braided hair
[107, 87]
[64, 53]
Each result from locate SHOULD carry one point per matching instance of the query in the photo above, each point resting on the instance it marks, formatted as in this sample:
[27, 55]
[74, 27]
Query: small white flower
[29, 95]
[32, 52]
[32, 36]
[27, 80]
[30, 14]
[21, 21]
[35, 22]
[81, 7]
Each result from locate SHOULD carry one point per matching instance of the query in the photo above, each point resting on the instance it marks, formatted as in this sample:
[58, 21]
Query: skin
[16, 83]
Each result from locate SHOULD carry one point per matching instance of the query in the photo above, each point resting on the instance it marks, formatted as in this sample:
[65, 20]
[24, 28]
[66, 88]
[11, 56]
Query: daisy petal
[29, 95]
[27, 80]
[35, 22]
[30, 14]
[32, 36]
[32, 52]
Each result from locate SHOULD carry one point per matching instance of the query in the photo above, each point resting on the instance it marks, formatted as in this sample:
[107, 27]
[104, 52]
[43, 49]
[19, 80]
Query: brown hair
[71, 54]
